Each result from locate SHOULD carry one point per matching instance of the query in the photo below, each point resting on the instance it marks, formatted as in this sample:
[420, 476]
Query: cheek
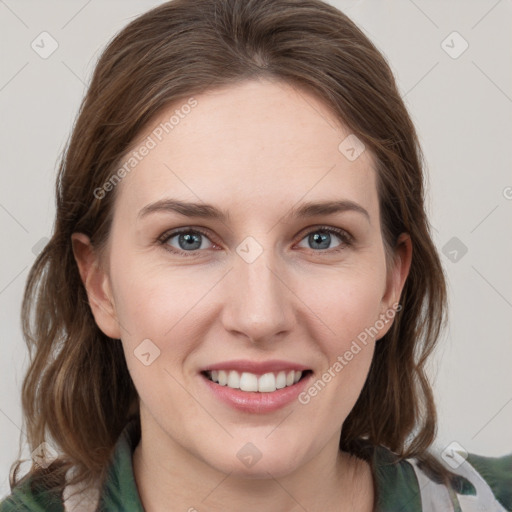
[347, 303]
[153, 315]
[161, 313]
[348, 308]
[351, 312]
[151, 300]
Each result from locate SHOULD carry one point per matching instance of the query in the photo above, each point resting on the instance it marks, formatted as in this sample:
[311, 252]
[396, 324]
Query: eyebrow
[208, 211]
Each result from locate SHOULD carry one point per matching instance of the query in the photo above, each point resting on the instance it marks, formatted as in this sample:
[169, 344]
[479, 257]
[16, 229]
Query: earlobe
[97, 285]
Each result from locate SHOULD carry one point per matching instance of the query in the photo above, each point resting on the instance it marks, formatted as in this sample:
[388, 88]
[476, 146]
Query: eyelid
[346, 238]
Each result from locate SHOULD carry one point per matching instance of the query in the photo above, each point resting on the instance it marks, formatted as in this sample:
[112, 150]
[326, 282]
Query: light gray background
[462, 109]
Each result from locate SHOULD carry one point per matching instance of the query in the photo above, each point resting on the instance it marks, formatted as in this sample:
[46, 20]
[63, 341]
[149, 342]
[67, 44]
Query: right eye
[189, 241]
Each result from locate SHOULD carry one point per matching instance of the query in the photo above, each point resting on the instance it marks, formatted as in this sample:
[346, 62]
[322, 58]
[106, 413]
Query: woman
[241, 291]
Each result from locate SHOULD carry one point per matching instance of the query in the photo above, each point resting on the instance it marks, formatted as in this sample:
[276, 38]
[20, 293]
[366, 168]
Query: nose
[258, 301]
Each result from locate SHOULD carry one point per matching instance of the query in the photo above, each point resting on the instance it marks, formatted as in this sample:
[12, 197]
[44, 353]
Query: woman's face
[252, 290]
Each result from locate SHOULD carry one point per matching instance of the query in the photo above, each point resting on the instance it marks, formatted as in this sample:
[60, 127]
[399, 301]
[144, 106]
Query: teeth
[233, 380]
[266, 383]
[281, 380]
[223, 377]
[248, 382]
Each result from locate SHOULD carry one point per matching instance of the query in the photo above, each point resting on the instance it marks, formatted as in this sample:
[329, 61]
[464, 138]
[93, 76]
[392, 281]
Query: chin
[246, 460]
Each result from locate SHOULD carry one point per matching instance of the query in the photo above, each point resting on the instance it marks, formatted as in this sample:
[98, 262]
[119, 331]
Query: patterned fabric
[485, 486]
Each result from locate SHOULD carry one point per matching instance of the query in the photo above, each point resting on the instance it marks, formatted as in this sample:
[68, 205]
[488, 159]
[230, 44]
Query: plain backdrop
[458, 88]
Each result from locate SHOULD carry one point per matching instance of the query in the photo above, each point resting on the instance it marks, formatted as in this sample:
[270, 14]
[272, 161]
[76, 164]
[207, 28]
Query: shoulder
[27, 498]
[396, 485]
[496, 472]
[481, 483]
[117, 492]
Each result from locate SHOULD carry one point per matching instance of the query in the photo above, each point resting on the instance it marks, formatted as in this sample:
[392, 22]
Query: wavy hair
[77, 390]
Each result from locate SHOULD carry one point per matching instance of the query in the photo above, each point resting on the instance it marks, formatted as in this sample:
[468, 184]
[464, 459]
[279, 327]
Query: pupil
[189, 240]
[320, 238]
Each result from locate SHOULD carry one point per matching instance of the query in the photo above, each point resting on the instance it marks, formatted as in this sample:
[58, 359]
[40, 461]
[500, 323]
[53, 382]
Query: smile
[250, 382]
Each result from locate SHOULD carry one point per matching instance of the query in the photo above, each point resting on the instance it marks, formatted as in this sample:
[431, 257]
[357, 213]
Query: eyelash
[345, 237]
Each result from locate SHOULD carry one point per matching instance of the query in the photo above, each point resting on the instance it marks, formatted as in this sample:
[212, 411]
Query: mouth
[256, 387]
[249, 382]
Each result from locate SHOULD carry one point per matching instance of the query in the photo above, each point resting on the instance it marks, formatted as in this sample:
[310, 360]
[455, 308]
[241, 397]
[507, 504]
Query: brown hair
[78, 391]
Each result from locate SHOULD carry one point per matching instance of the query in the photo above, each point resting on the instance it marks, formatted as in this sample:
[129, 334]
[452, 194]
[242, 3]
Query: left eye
[190, 240]
[320, 238]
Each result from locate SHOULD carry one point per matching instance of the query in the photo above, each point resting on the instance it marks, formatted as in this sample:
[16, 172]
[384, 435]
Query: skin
[255, 149]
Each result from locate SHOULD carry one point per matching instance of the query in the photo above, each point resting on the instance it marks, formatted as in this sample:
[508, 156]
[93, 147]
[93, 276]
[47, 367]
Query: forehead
[251, 145]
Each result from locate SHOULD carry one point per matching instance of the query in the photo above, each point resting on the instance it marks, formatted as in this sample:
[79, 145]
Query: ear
[397, 275]
[97, 285]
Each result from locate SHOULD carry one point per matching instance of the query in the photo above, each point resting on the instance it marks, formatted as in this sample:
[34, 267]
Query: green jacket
[485, 485]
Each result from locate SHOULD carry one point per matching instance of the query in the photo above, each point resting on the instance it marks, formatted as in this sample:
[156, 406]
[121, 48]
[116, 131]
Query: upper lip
[256, 367]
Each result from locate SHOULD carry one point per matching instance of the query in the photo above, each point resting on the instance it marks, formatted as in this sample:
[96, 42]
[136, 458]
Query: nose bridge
[258, 302]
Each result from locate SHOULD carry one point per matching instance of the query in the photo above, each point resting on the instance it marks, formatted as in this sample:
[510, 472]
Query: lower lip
[255, 402]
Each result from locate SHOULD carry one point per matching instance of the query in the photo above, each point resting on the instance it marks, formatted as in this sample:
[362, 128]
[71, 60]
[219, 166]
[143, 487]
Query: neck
[167, 473]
